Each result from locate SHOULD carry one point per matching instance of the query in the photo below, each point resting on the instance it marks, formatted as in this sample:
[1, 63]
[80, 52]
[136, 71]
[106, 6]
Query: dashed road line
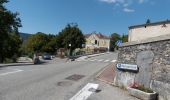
[100, 60]
[106, 60]
[12, 72]
[113, 61]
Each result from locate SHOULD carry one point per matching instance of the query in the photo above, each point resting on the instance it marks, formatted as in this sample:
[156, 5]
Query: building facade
[149, 30]
[97, 41]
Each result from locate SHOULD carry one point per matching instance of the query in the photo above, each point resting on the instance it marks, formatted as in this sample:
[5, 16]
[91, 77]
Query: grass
[142, 88]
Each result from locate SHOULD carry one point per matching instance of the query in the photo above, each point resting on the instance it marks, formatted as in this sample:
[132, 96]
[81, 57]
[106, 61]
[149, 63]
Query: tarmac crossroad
[48, 81]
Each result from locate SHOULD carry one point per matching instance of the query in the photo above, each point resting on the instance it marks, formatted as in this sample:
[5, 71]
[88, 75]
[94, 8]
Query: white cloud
[125, 4]
[128, 10]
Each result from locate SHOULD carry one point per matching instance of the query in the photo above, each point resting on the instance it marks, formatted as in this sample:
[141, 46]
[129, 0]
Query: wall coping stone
[148, 40]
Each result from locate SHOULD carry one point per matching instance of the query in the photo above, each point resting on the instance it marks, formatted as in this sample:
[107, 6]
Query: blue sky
[105, 16]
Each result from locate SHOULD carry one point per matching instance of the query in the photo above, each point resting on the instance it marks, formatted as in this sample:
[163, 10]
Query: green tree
[124, 38]
[40, 43]
[9, 37]
[36, 43]
[114, 38]
[71, 37]
[148, 21]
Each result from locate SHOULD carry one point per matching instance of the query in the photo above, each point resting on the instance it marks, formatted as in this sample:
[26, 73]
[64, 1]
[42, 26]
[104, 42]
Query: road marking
[106, 60]
[78, 60]
[92, 60]
[113, 61]
[84, 93]
[12, 72]
[100, 60]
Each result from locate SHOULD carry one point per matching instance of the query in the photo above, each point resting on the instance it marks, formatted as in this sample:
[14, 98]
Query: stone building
[97, 41]
[144, 31]
[149, 49]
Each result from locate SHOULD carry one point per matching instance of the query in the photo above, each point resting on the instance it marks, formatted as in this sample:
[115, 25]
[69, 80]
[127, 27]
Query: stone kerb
[152, 56]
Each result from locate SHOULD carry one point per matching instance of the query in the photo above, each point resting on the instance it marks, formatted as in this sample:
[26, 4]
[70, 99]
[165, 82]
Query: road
[50, 81]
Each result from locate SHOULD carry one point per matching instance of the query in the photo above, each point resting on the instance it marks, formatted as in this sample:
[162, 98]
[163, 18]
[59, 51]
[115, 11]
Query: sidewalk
[108, 91]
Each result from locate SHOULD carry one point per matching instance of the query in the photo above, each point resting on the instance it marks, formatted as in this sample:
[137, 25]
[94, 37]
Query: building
[97, 41]
[149, 30]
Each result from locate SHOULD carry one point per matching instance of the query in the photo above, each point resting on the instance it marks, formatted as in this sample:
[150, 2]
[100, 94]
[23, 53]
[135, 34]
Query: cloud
[128, 10]
[125, 4]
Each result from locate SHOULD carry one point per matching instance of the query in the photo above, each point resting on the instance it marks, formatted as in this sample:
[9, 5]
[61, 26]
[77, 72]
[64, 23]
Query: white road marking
[84, 93]
[12, 72]
[78, 60]
[92, 60]
[106, 60]
[100, 60]
[113, 61]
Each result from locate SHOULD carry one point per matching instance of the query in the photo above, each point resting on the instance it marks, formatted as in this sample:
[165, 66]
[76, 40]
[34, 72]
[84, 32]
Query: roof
[150, 24]
[99, 35]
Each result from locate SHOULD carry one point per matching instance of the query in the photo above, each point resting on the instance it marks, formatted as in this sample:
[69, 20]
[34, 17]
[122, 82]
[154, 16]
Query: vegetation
[9, 36]
[138, 86]
[71, 37]
[40, 43]
[115, 37]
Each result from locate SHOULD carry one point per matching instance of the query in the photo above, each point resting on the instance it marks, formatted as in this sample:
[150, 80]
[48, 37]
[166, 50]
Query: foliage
[9, 37]
[114, 38]
[124, 38]
[148, 21]
[138, 86]
[40, 43]
[71, 34]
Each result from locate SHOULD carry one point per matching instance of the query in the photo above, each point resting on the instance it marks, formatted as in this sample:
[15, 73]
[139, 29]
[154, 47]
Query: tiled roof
[99, 35]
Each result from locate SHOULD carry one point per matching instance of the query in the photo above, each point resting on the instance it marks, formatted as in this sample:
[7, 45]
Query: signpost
[127, 67]
[119, 42]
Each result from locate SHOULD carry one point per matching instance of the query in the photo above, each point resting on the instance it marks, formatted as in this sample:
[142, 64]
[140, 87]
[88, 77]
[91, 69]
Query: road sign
[128, 67]
[119, 42]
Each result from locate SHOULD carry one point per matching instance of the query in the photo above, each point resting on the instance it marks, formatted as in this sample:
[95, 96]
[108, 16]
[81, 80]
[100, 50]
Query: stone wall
[153, 59]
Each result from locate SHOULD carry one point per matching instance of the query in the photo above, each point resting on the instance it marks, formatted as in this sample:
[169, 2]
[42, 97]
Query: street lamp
[70, 49]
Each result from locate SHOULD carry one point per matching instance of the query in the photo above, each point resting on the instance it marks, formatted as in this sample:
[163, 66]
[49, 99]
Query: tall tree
[71, 37]
[40, 43]
[9, 24]
[124, 38]
[36, 43]
[114, 38]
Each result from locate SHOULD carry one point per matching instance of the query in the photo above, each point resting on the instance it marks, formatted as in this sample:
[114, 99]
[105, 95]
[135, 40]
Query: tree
[9, 36]
[148, 21]
[114, 38]
[71, 37]
[124, 38]
[40, 43]
[36, 43]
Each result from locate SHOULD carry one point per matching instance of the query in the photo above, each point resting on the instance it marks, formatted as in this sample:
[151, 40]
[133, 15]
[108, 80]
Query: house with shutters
[97, 41]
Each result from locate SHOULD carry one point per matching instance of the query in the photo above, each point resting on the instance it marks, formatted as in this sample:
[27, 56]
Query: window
[95, 41]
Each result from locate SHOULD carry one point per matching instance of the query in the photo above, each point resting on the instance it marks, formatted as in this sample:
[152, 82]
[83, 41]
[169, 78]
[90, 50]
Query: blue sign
[129, 67]
[119, 42]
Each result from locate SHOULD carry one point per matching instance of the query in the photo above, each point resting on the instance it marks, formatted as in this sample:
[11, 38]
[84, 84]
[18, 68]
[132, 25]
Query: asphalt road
[48, 81]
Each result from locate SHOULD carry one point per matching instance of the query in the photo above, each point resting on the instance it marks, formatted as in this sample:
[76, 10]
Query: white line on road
[100, 60]
[113, 61]
[106, 61]
[12, 72]
[84, 93]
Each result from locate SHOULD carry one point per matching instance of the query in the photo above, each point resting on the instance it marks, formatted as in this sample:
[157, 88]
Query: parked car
[46, 56]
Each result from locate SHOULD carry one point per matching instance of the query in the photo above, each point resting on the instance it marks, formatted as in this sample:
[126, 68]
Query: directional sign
[119, 42]
[128, 67]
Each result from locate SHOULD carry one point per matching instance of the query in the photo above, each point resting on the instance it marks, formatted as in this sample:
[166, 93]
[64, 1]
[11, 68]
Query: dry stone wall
[153, 60]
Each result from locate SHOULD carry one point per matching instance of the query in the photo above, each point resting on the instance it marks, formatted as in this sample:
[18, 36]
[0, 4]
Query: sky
[104, 16]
